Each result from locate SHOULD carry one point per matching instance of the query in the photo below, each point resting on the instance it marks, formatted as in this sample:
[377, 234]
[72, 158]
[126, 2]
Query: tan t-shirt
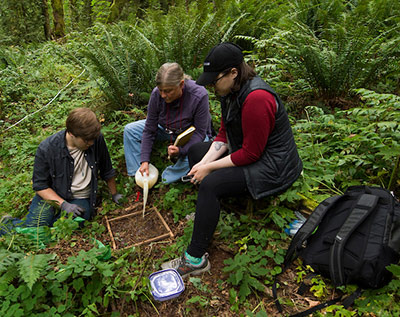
[82, 177]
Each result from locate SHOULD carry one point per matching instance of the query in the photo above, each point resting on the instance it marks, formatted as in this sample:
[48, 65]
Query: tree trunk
[46, 24]
[22, 14]
[58, 15]
[88, 12]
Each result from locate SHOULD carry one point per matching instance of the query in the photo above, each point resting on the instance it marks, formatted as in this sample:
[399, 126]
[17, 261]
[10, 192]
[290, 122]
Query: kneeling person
[66, 170]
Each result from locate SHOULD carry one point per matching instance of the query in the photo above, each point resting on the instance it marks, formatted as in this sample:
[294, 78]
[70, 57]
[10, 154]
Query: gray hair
[170, 74]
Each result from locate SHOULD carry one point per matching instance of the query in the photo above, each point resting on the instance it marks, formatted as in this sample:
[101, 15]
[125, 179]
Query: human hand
[197, 165]
[144, 169]
[173, 151]
[72, 208]
[199, 172]
[116, 198]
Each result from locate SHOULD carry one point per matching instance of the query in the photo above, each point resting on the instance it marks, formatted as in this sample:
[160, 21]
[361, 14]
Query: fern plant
[348, 58]
[121, 64]
[332, 53]
[124, 58]
[28, 267]
[376, 15]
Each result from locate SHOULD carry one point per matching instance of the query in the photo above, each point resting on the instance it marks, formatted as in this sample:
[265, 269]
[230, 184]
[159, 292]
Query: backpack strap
[365, 204]
[317, 307]
[306, 230]
[346, 302]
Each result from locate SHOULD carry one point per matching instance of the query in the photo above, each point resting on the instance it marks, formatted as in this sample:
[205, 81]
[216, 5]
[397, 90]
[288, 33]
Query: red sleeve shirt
[258, 121]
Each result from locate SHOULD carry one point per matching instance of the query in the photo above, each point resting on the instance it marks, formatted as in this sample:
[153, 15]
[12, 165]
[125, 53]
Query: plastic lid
[166, 284]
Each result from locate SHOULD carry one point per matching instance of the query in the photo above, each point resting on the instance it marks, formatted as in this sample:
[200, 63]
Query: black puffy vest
[279, 165]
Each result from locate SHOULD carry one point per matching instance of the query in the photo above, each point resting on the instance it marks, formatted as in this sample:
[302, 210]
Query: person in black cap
[254, 151]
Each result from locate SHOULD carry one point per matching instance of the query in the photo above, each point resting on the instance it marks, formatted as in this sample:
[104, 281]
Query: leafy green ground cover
[348, 147]
[346, 135]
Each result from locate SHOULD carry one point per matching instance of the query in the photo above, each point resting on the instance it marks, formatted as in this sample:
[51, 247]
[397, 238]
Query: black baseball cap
[220, 58]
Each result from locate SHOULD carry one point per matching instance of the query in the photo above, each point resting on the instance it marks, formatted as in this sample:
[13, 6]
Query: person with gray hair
[175, 104]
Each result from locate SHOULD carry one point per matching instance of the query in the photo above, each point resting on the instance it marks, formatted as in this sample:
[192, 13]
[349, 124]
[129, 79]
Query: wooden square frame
[169, 233]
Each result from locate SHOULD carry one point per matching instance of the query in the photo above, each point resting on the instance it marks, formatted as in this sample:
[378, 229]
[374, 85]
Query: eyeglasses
[213, 83]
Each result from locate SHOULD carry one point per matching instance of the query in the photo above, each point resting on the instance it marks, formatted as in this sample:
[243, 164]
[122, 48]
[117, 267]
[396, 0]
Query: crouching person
[66, 169]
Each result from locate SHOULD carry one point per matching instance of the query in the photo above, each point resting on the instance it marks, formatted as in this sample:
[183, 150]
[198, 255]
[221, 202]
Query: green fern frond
[8, 276]
[232, 25]
[31, 266]
[333, 61]
[8, 259]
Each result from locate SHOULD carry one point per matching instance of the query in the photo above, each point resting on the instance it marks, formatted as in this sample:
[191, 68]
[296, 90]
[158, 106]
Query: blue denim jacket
[54, 166]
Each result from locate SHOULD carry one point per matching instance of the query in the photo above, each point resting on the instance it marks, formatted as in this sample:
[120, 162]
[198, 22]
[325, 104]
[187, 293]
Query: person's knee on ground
[41, 214]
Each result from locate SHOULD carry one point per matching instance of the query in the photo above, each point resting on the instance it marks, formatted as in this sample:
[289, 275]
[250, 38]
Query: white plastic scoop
[146, 182]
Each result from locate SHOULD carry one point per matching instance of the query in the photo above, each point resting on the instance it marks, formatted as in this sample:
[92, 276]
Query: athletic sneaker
[185, 268]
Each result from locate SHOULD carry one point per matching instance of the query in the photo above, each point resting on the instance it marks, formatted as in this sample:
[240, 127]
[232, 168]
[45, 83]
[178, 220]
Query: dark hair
[245, 73]
[83, 123]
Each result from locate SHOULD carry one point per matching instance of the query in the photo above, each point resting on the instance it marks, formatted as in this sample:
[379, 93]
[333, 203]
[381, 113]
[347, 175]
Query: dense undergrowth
[337, 73]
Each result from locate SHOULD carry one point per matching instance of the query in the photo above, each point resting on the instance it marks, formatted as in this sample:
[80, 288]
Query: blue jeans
[9, 225]
[43, 214]
[46, 215]
[132, 143]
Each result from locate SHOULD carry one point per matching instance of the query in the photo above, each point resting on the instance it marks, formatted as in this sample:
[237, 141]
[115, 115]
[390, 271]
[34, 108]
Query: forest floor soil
[212, 298]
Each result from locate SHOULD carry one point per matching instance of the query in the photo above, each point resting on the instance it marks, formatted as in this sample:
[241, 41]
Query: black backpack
[350, 239]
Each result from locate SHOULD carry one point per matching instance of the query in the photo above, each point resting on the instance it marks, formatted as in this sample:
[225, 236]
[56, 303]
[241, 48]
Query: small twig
[164, 223]
[152, 304]
[143, 269]
[166, 235]
[160, 242]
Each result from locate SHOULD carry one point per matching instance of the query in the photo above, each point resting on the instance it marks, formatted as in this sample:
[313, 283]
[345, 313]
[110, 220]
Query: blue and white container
[166, 284]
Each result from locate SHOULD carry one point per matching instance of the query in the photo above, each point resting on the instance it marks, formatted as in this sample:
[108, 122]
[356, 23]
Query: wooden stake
[164, 223]
[132, 207]
[165, 235]
[111, 235]
[126, 216]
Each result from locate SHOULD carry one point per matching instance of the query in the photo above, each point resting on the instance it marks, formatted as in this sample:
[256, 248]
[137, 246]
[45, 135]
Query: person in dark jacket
[254, 151]
[66, 169]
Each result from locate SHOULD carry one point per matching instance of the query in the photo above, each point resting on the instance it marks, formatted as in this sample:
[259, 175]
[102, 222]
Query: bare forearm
[201, 171]
[51, 195]
[217, 149]
[221, 163]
